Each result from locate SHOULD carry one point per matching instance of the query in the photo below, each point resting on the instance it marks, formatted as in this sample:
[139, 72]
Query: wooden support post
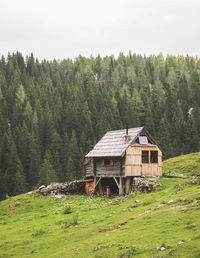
[128, 185]
[94, 184]
[121, 190]
[100, 188]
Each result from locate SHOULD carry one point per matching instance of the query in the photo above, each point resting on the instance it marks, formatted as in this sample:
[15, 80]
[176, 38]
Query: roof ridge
[140, 127]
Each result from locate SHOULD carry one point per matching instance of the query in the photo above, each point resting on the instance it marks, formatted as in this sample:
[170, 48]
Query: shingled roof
[112, 144]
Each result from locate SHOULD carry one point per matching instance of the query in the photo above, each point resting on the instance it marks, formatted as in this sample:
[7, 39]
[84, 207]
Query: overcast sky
[68, 28]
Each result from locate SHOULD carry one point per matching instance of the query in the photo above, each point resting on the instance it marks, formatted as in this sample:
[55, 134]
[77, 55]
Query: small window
[107, 162]
[145, 156]
[154, 157]
[143, 140]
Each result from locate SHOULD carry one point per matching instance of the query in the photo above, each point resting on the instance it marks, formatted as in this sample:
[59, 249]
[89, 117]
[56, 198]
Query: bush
[67, 210]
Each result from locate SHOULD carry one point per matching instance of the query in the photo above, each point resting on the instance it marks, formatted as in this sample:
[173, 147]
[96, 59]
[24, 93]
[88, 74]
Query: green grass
[185, 164]
[92, 226]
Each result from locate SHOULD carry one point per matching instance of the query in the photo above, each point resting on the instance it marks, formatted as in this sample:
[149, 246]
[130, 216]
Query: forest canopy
[53, 112]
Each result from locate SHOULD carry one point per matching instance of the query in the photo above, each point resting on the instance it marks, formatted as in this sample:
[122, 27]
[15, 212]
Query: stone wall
[74, 187]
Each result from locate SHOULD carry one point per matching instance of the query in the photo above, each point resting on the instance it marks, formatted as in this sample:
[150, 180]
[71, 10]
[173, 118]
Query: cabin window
[143, 140]
[154, 156]
[107, 162]
[145, 156]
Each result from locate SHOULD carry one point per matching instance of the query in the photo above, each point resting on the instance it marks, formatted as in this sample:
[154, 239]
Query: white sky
[65, 29]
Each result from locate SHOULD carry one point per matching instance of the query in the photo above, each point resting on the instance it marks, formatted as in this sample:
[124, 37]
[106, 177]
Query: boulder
[42, 186]
[45, 191]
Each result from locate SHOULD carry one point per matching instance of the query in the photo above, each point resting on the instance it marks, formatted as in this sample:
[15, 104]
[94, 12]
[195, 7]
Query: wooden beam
[97, 182]
[116, 181]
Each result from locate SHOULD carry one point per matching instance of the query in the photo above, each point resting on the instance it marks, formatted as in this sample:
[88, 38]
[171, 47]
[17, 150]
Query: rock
[162, 248]
[58, 196]
[145, 184]
[180, 242]
[134, 205]
[176, 176]
[42, 186]
[44, 191]
[17, 203]
[29, 193]
[137, 201]
[170, 201]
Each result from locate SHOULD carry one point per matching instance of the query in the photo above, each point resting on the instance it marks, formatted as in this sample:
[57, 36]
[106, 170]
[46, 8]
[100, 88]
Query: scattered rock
[170, 201]
[180, 242]
[17, 203]
[163, 248]
[176, 176]
[134, 205]
[58, 196]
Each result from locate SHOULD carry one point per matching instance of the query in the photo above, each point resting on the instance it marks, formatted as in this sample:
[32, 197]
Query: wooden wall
[108, 171]
[89, 168]
[133, 162]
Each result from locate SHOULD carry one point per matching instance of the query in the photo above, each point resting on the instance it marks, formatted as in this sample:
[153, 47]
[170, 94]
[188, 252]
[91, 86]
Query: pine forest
[53, 112]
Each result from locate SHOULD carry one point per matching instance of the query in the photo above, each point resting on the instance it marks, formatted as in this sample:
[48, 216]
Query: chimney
[127, 137]
[126, 128]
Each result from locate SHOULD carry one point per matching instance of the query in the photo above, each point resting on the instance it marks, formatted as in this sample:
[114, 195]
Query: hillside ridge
[164, 222]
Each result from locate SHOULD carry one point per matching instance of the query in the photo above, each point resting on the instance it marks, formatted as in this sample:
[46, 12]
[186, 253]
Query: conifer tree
[47, 174]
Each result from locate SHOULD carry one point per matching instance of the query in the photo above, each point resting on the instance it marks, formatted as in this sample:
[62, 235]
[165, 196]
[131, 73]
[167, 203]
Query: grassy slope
[185, 164]
[36, 226]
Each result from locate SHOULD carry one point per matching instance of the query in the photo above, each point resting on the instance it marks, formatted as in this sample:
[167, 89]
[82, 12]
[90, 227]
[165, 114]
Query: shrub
[67, 210]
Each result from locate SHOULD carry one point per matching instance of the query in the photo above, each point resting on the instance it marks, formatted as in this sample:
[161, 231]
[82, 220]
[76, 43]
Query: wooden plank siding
[108, 170]
[133, 162]
[89, 168]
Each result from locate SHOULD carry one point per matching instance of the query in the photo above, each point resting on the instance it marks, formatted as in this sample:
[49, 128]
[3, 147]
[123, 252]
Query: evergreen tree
[47, 174]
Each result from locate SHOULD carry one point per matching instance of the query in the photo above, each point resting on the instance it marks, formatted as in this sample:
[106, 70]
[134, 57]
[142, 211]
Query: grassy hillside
[90, 226]
[185, 164]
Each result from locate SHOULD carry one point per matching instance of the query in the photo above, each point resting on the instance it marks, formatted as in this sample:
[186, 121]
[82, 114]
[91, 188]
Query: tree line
[53, 112]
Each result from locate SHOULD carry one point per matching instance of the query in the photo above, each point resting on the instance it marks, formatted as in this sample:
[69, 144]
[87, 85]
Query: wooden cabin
[118, 158]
